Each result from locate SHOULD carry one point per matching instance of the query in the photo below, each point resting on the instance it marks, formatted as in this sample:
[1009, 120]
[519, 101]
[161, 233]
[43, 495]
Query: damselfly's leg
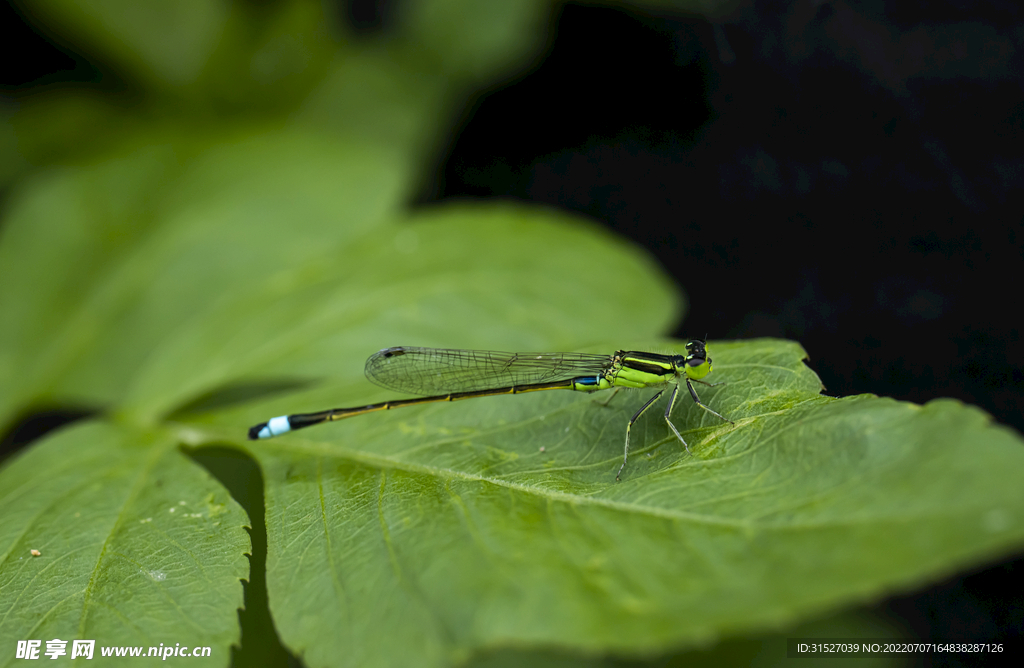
[704, 382]
[689, 386]
[668, 412]
[625, 453]
[610, 396]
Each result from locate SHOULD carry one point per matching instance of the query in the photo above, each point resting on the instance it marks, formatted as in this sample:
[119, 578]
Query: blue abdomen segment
[590, 383]
[271, 428]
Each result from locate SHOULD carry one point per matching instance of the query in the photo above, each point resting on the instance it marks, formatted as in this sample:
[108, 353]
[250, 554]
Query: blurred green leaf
[472, 40]
[167, 40]
[108, 270]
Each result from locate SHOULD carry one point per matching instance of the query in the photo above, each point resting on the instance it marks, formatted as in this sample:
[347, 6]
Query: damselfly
[450, 375]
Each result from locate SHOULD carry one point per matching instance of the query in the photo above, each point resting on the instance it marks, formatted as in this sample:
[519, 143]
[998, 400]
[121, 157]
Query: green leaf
[168, 40]
[473, 40]
[436, 532]
[137, 544]
[768, 649]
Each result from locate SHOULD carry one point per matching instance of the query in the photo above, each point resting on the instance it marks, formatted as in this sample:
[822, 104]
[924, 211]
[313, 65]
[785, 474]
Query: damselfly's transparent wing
[427, 371]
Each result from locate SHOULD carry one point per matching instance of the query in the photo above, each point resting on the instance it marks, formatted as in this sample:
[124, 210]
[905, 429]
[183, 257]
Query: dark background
[846, 174]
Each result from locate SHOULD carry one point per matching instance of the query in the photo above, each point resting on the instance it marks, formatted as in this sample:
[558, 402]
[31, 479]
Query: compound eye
[694, 361]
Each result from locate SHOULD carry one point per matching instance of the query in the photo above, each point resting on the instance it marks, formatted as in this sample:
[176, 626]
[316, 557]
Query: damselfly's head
[697, 362]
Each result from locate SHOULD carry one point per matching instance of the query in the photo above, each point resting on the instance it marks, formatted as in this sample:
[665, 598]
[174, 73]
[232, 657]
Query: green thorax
[640, 369]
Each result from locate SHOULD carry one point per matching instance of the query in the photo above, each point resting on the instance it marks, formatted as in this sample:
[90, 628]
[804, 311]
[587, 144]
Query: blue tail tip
[273, 427]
